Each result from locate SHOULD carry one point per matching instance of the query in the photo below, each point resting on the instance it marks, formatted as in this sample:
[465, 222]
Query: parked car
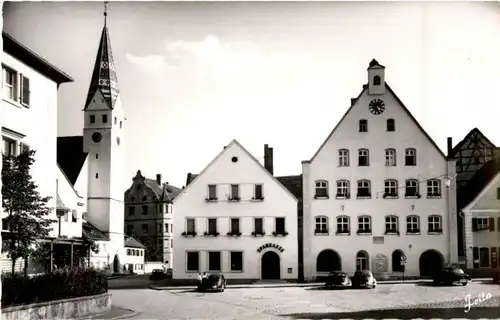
[450, 276]
[338, 279]
[364, 279]
[213, 282]
[158, 274]
[496, 277]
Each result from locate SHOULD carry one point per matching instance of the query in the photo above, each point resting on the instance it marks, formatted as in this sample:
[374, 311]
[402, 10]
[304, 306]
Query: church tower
[104, 124]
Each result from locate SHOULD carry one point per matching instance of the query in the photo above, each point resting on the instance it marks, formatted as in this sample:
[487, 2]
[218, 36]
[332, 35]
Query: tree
[27, 211]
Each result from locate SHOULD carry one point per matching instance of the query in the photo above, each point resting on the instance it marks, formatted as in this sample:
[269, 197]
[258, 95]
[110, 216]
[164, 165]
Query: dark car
[496, 277]
[338, 279]
[364, 279]
[450, 276]
[158, 274]
[213, 282]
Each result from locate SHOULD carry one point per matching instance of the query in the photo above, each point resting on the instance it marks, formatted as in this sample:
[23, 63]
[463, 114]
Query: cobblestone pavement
[404, 301]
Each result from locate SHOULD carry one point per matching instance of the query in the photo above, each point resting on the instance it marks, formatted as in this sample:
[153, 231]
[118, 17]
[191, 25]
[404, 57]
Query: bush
[20, 290]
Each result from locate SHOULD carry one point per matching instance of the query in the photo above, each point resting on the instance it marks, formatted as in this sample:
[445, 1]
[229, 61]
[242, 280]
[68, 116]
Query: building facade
[235, 218]
[148, 216]
[378, 194]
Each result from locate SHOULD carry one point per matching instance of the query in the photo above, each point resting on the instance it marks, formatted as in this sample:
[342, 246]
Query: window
[214, 261]
[120, 124]
[144, 210]
[482, 223]
[212, 226]
[145, 228]
[25, 91]
[193, 261]
[390, 157]
[212, 192]
[130, 229]
[10, 84]
[104, 118]
[390, 188]
[343, 158]
[92, 118]
[235, 225]
[343, 225]
[9, 147]
[158, 228]
[364, 189]
[321, 189]
[363, 157]
[190, 225]
[280, 226]
[321, 225]
[410, 157]
[391, 224]
[235, 195]
[160, 207]
[116, 120]
[258, 225]
[411, 188]
[166, 227]
[412, 224]
[484, 257]
[258, 192]
[342, 189]
[498, 193]
[363, 125]
[364, 224]
[435, 224]
[97, 156]
[236, 261]
[376, 81]
[131, 210]
[361, 261]
[434, 188]
[391, 125]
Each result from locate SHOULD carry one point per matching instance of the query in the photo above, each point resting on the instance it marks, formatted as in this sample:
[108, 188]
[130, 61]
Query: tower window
[97, 156]
[104, 118]
[391, 125]
[120, 124]
[92, 119]
[376, 81]
[116, 120]
[363, 125]
[97, 176]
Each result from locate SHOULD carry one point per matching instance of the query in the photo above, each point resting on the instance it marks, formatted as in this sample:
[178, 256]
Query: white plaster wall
[71, 200]
[38, 123]
[430, 164]
[81, 184]
[278, 203]
[101, 258]
[130, 259]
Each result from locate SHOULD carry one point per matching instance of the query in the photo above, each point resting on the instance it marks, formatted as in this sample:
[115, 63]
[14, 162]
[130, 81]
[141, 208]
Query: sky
[195, 75]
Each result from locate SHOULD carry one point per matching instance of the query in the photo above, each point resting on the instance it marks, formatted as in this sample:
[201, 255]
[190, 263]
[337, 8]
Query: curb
[292, 285]
[131, 314]
[127, 316]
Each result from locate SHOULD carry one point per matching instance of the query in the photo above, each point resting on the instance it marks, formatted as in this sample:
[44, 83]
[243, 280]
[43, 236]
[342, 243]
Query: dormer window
[104, 118]
[92, 119]
[376, 81]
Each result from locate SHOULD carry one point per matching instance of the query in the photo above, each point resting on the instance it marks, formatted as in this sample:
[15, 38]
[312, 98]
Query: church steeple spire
[104, 75]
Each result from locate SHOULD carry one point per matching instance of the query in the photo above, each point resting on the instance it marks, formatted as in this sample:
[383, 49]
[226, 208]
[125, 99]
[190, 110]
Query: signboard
[270, 245]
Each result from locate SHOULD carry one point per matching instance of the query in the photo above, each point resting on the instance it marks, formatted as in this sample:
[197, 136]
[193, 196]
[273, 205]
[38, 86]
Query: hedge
[20, 290]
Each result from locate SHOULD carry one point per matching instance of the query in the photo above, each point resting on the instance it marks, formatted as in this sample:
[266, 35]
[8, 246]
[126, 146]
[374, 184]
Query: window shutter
[474, 224]
[475, 257]
[491, 224]
[25, 90]
[493, 253]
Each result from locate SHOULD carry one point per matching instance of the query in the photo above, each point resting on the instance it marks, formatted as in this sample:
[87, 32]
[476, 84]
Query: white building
[378, 190]
[235, 218]
[482, 220]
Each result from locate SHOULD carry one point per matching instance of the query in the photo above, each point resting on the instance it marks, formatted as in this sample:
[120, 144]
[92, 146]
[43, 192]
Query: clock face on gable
[376, 106]
[96, 137]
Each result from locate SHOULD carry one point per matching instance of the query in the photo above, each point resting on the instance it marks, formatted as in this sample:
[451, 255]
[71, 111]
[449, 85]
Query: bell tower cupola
[376, 78]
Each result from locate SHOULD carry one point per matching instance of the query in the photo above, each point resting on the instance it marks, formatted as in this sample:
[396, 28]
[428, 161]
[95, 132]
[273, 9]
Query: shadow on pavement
[419, 313]
[326, 289]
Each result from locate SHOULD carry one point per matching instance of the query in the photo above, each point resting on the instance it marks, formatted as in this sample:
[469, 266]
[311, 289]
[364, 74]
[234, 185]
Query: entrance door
[270, 265]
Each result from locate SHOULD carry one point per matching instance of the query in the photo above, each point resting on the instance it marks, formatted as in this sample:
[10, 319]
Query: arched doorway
[396, 261]
[362, 261]
[328, 260]
[116, 264]
[430, 263]
[270, 265]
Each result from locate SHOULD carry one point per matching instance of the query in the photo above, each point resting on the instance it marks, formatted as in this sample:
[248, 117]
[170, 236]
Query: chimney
[158, 179]
[450, 145]
[268, 159]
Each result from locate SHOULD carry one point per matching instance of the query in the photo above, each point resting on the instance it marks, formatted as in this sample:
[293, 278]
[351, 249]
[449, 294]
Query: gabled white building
[482, 220]
[235, 218]
[378, 191]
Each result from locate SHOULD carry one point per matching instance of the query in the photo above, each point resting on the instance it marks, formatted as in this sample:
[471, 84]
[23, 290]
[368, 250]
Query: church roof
[70, 156]
[89, 231]
[471, 133]
[132, 243]
[31, 59]
[164, 192]
[478, 182]
[104, 75]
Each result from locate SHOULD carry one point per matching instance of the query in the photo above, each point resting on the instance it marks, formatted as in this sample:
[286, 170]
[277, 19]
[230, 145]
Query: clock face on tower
[376, 106]
[96, 137]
